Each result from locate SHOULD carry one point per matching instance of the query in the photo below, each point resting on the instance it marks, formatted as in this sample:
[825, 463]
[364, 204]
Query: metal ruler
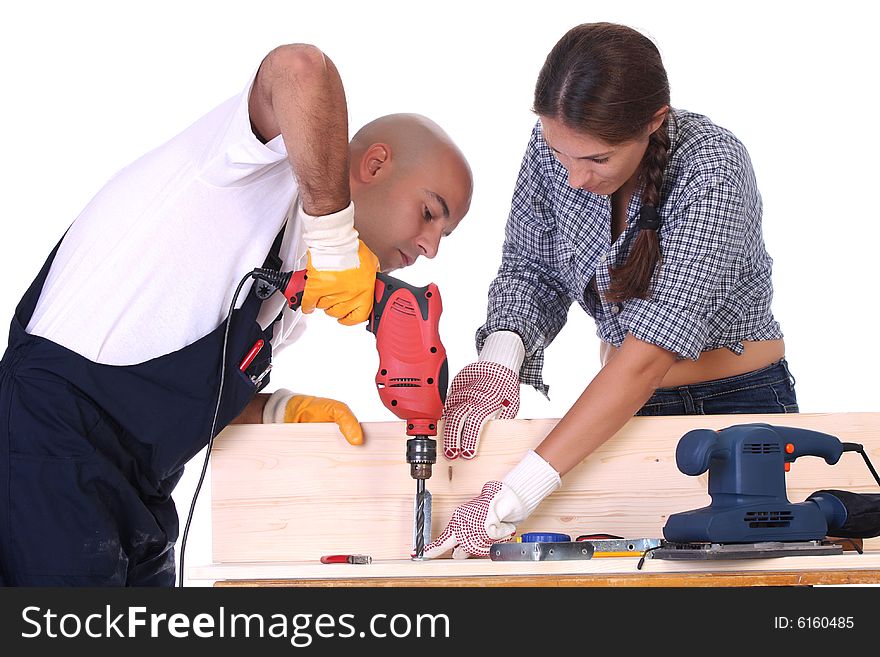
[622, 547]
[567, 551]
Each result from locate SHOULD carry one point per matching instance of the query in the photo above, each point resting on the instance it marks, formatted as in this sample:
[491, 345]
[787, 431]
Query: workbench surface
[847, 568]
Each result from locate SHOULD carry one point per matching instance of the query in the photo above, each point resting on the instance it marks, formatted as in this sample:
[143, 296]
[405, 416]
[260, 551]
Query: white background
[90, 86]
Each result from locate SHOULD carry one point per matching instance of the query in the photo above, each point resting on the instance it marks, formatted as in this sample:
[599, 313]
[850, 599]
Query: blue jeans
[767, 390]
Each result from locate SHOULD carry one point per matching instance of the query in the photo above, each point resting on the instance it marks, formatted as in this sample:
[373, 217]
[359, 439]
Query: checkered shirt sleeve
[528, 295]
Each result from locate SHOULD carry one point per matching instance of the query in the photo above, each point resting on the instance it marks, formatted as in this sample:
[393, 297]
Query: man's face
[404, 216]
[592, 164]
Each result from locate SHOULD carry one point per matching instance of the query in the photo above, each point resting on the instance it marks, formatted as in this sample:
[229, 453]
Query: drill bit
[422, 515]
[421, 454]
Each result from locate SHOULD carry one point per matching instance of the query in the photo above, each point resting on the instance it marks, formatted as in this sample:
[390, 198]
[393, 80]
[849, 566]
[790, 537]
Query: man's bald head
[414, 138]
[410, 184]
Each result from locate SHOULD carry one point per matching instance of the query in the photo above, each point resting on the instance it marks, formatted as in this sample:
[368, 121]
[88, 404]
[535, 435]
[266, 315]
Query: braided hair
[633, 278]
[608, 81]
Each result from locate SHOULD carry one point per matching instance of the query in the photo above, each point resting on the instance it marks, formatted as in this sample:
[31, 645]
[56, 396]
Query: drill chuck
[421, 454]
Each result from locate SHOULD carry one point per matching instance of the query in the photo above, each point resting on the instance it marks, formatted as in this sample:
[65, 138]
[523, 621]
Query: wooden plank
[292, 492]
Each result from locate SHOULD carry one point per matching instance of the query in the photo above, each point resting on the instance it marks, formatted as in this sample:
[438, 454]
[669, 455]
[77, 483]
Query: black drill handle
[385, 286]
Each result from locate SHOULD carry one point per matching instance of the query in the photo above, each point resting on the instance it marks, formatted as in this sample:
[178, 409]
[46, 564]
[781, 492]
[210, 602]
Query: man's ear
[374, 162]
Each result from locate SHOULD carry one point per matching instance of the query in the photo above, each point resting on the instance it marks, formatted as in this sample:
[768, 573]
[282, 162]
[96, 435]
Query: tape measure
[543, 537]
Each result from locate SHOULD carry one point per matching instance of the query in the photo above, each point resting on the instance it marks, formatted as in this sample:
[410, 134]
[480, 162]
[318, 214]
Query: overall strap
[273, 261]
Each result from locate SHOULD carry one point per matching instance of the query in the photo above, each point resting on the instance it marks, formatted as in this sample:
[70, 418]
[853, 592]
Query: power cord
[277, 280]
[645, 556]
[856, 447]
[213, 427]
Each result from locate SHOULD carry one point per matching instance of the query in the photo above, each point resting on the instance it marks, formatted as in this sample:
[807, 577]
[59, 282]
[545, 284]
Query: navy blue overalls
[90, 453]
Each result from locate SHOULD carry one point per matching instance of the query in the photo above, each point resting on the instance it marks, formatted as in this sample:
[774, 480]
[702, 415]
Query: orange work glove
[348, 294]
[341, 269]
[285, 406]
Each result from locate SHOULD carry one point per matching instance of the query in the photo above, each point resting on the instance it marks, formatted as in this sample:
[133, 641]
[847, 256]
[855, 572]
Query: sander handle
[806, 442]
[699, 447]
[696, 449]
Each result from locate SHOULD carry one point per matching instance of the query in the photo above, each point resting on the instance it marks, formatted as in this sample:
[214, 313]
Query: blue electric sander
[750, 515]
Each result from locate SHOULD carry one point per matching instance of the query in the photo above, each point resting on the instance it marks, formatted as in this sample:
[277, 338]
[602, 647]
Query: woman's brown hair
[608, 81]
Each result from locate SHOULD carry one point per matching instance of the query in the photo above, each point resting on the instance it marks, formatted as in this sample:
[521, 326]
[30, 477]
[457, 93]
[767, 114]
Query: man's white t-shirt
[152, 262]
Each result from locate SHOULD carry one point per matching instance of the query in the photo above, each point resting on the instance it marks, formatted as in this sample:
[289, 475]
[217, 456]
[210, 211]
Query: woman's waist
[723, 363]
[716, 363]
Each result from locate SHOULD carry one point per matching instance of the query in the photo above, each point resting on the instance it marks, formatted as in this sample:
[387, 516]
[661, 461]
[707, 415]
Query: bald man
[411, 186]
[146, 310]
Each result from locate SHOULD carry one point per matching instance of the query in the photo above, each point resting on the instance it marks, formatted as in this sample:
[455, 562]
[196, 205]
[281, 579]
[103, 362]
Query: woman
[650, 218]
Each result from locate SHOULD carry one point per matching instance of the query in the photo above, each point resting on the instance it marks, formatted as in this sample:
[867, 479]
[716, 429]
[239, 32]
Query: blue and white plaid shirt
[711, 290]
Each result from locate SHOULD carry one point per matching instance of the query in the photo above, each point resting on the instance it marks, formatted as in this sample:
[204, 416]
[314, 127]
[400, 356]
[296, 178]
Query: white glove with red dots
[482, 391]
[491, 517]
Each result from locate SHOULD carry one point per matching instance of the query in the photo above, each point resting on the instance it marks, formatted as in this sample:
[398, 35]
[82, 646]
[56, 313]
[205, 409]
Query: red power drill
[413, 373]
